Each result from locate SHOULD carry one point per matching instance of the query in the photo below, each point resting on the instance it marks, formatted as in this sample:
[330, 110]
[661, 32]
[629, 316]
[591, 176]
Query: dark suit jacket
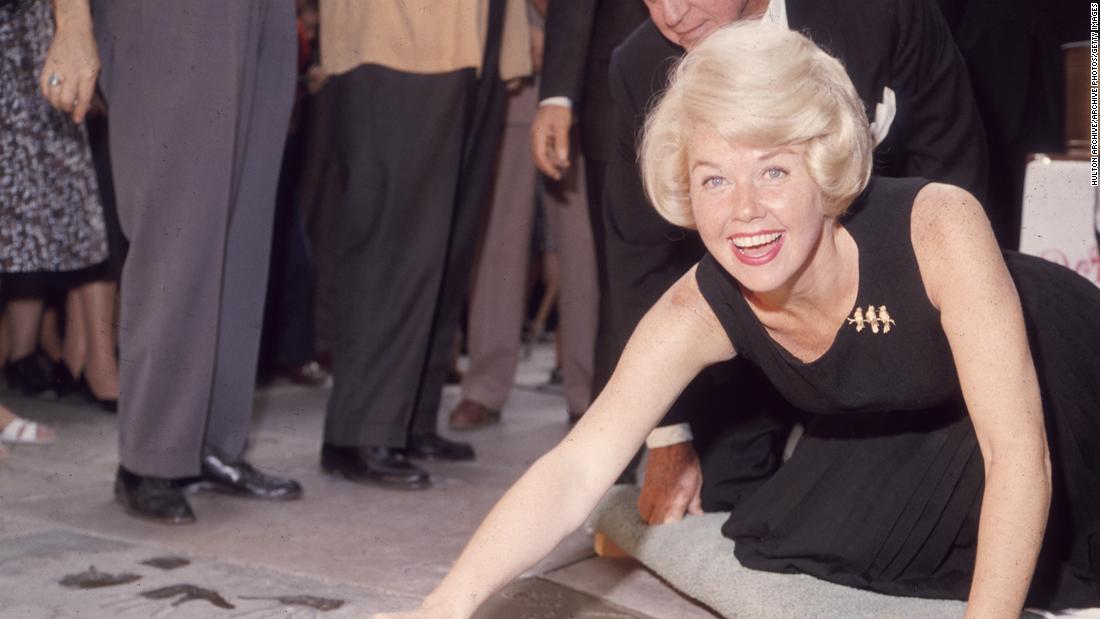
[1012, 50]
[580, 36]
[901, 44]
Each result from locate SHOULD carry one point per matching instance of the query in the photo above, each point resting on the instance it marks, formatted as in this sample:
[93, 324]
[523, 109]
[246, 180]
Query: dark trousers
[412, 148]
[200, 94]
[485, 129]
[402, 143]
[320, 196]
[741, 425]
[288, 313]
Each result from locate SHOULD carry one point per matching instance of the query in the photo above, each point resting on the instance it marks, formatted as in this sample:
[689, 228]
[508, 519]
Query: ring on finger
[54, 80]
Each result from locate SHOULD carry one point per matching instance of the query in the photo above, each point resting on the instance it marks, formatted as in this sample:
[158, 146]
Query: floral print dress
[50, 214]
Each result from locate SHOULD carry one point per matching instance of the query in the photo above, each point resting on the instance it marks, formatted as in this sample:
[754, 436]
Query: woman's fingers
[58, 88]
[83, 100]
[70, 92]
[70, 71]
[50, 84]
[44, 82]
[67, 95]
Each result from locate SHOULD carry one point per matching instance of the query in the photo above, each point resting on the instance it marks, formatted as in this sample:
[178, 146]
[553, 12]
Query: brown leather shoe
[470, 415]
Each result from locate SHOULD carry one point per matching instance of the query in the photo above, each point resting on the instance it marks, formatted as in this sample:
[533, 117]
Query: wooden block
[606, 548]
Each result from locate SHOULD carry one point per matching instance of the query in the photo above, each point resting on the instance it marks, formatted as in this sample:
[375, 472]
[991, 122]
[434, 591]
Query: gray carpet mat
[694, 557]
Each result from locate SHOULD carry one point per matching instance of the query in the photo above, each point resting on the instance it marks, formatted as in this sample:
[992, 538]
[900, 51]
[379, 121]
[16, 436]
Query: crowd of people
[747, 208]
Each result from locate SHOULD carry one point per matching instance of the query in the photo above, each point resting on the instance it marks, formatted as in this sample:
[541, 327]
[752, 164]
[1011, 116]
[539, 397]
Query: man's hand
[550, 139]
[672, 485]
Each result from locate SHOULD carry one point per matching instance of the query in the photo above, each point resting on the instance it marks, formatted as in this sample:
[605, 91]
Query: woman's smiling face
[758, 211]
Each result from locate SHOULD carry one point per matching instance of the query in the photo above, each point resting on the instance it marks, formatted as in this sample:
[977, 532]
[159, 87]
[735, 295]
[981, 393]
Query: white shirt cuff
[669, 435]
[560, 101]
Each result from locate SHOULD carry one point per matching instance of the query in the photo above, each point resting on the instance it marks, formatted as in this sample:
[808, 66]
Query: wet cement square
[63, 573]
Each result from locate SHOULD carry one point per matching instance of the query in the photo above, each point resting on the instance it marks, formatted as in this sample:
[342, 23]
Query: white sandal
[19, 431]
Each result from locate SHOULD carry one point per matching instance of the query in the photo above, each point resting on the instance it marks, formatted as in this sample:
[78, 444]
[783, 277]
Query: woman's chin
[755, 280]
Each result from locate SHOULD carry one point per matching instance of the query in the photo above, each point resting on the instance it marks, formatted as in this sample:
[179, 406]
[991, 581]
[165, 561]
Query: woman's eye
[774, 173]
[713, 181]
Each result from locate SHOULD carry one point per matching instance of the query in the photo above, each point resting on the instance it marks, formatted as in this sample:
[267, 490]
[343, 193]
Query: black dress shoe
[435, 447]
[374, 465]
[152, 498]
[242, 479]
[31, 374]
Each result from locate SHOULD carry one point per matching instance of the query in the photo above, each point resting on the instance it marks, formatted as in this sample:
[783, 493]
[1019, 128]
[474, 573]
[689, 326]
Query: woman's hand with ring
[72, 63]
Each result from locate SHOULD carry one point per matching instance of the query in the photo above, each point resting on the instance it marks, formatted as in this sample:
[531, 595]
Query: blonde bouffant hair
[762, 86]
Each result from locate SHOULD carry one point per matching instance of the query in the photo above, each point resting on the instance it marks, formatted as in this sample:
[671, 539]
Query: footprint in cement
[94, 579]
[188, 593]
[321, 604]
[166, 562]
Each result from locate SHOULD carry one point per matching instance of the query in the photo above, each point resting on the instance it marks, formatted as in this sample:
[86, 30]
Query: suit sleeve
[944, 138]
[625, 181]
[568, 32]
[623, 193]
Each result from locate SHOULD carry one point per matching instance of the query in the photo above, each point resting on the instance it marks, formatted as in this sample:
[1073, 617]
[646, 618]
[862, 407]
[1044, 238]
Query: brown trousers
[498, 299]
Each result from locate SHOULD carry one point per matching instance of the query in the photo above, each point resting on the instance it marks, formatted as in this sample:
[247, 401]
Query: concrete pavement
[343, 551]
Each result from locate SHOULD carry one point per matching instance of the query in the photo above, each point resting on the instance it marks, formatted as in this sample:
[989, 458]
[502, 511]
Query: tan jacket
[420, 36]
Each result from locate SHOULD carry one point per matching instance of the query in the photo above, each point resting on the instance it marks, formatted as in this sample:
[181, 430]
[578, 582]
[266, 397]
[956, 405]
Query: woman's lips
[757, 248]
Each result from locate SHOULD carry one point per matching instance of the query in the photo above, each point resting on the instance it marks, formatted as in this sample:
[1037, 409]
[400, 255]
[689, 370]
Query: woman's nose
[745, 204]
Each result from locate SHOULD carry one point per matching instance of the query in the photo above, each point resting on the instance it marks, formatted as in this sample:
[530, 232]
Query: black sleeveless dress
[884, 489]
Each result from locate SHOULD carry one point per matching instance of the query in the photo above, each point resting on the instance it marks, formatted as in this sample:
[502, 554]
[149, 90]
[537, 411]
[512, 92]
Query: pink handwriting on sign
[1088, 266]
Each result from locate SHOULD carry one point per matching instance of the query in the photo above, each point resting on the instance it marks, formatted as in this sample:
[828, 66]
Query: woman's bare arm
[677, 338]
[966, 278]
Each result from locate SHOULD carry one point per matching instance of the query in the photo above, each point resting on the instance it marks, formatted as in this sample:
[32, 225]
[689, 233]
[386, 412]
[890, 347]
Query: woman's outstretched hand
[72, 63]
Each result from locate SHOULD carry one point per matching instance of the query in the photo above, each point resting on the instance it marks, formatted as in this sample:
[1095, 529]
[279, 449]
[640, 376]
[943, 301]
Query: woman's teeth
[756, 240]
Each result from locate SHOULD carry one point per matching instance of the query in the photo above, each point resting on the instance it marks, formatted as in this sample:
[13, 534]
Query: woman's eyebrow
[703, 163]
[775, 153]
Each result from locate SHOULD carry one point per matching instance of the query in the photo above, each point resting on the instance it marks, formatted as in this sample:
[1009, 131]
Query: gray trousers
[200, 94]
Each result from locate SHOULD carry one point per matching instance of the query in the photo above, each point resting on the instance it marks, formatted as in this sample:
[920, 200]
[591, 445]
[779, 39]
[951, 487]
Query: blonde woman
[882, 306]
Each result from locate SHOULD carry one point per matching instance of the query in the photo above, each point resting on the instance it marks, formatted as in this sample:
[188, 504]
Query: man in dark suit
[580, 36]
[908, 72]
